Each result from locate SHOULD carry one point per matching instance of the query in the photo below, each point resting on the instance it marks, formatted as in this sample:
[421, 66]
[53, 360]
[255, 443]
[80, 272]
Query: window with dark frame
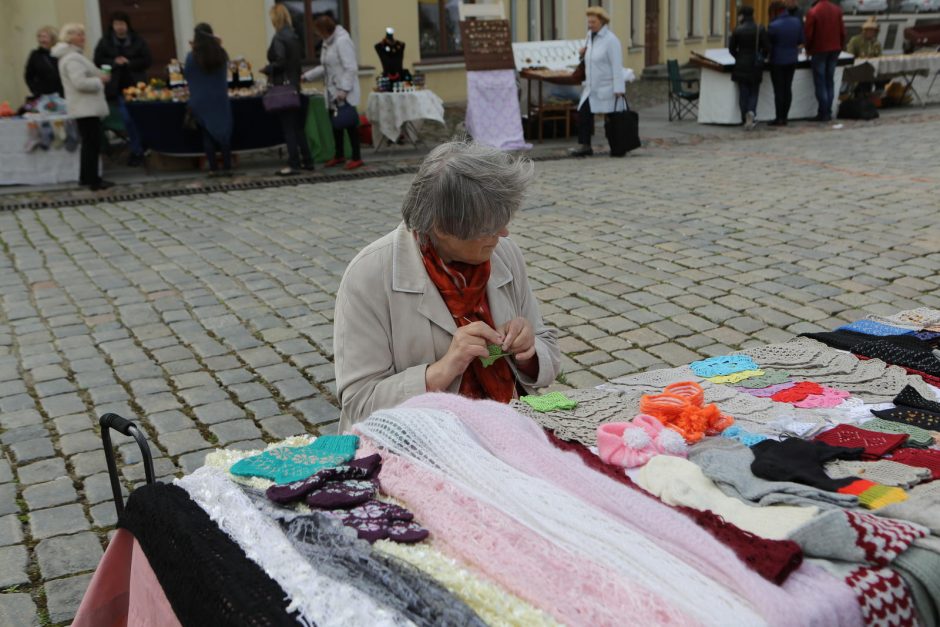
[303, 12]
[439, 28]
[712, 18]
[691, 19]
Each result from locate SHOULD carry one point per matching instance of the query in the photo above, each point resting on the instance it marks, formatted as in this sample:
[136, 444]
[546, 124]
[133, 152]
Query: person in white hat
[865, 45]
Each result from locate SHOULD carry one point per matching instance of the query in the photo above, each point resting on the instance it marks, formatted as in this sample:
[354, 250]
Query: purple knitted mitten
[342, 494]
[362, 468]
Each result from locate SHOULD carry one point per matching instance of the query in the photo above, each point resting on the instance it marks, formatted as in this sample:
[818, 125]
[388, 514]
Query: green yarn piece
[496, 352]
[770, 377]
[878, 496]
[915, 435]
[287, 464]
[549, 402]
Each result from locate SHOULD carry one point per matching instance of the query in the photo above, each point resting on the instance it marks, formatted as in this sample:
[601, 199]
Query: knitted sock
[873, 495]
[289, 464]
[32, 137]
[915, 435]
[856, 537]
[874, 444]
[58, 134]
[72, 138]
[342, 494]
[46, 135]
[883, 471]
[799, 460]
[549, 402]
[921, 458]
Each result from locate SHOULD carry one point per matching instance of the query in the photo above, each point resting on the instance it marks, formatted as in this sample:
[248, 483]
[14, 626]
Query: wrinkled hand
[468, 343]
[519, 339]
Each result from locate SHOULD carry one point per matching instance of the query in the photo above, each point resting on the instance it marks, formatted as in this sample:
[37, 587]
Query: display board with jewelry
[487, 45]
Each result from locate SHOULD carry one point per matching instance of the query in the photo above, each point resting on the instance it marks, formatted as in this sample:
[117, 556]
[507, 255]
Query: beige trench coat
[391, 323]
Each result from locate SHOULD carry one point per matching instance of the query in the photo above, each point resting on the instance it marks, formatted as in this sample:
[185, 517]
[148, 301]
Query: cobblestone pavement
[208, 318]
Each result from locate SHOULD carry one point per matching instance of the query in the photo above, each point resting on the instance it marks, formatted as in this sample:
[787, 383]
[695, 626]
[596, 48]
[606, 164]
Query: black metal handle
[127, 427]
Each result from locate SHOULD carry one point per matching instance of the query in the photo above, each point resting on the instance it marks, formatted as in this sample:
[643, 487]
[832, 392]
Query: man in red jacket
[825, 39]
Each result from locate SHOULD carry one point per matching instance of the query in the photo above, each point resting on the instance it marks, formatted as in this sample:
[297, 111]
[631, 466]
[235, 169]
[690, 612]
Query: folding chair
[682, 100]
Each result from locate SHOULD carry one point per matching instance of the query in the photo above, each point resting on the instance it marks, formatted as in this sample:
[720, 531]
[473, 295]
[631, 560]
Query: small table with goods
[718, 102]
[552, 62]
[908, 68]
[40, 147]
[400, 113]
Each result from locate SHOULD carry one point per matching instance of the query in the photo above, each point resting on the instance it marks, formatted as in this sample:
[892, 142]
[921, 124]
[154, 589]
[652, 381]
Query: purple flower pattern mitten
[341, 494]
[362, 468]
[376, 520]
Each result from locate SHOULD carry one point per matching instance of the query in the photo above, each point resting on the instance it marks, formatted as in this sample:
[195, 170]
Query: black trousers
[292, 124]
[353, 134]
[585, 123]
[90, 131]
[209, 145]
[782, 78]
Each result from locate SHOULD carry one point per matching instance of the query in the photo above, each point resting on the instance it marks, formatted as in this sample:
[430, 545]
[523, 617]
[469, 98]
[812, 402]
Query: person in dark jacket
[128, 55]
[42, 71]
[206, 71]
[284, 58]
[747, 40]
[825, 40]
[786, 36]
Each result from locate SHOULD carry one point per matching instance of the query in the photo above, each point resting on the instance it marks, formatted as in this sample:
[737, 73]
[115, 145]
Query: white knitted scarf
[437, 439]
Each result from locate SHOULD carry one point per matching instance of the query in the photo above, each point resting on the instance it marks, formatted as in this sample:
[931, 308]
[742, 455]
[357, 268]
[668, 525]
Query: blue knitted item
[723, 365]
[870, 327]
[287, 464]
[734, 432]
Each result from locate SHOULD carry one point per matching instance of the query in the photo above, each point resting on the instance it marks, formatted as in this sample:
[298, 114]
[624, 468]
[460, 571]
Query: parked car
[864, 6]
[919, 6]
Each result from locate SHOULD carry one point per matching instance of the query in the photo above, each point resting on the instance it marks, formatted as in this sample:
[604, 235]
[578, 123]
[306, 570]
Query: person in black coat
[284, 65]
[42, 71]
[750, 47]
[129, 57]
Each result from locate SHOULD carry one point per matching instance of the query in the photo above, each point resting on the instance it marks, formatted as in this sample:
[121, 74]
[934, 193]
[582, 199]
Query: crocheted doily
[914, 319]
[594, 407]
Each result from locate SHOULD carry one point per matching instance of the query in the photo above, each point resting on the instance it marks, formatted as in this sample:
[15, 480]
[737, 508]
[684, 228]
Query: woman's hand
[341, 96]
[519, 339]
[105, 78]
[469, 343]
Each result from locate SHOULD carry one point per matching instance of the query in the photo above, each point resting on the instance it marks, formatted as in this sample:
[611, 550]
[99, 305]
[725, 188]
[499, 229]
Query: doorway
[651, 49]
[153, 21]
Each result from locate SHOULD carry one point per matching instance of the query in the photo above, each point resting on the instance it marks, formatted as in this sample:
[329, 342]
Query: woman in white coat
[83, 84]
[340, 72]
[603, 83]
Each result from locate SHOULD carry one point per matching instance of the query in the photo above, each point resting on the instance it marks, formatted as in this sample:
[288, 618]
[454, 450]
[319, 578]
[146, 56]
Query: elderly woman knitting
[422, 308]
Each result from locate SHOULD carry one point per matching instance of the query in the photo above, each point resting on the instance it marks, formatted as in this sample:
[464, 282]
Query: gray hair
[69, 31]
[466, 190]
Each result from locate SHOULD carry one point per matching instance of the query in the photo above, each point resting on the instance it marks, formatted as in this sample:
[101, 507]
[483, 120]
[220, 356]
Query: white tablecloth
[388, 111]
[926, 62]
[39, 167]
[493, 116]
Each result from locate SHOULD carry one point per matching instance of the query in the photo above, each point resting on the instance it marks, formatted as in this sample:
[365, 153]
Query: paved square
[209, 318]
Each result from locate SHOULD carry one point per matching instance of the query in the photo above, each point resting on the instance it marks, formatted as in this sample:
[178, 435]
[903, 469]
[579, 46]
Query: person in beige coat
[84, 96]
[418, 309]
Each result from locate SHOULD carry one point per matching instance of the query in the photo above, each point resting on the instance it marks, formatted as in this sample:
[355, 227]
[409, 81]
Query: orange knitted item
[680, 407]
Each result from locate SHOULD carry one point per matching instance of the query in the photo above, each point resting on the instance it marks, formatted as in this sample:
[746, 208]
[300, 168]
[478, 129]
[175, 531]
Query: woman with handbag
[206, 72]
[603, 77]
[339, 70]
[283, 97]
[750, 47]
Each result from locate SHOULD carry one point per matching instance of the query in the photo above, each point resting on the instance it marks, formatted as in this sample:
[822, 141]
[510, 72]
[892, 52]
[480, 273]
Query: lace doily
[913, 319]
[320, 600]
[736, 376]
[722, 365]
[830, 397]
[766, 392]
[594, 407]
[768, 379]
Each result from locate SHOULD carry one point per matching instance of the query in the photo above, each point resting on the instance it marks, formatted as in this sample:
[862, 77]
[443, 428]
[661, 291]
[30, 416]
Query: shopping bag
[280, 98]
[623, 129]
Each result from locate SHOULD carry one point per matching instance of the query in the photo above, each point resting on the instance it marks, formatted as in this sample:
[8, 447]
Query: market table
[908, 68]
[551, 111]
[38, 167]
[161, 127]
[718, 102]
[401, 113]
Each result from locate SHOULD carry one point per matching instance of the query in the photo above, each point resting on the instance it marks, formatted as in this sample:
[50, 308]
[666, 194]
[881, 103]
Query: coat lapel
[409, 276]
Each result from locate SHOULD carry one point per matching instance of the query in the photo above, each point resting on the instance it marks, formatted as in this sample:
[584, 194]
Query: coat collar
[409, 275]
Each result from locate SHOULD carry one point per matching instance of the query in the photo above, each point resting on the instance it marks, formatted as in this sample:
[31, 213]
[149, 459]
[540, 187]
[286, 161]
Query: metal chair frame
[127, 427]
[681, 101]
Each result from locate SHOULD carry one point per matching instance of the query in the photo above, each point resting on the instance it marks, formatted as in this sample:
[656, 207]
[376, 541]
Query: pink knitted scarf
[573, 590]
[809, 597]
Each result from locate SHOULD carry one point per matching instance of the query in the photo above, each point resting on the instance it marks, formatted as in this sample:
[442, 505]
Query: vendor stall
[397, 113]
[915, 71]
[787, 484]
[718, 102]
[162, 130]
[33, 151]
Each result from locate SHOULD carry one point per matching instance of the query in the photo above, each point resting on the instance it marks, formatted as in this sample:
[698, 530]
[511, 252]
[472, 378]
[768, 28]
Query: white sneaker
[749, 122]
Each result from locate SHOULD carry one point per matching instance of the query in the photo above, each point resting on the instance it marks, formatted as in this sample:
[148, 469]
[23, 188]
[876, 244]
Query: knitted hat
[870, 24]
[681, 407]
[873, 443]
[922, 458]
[632, 444]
